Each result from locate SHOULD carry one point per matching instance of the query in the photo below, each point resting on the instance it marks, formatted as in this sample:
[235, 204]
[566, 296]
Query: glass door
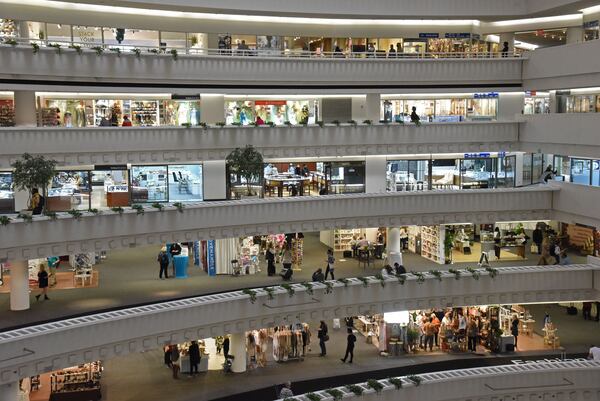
[506, 172]
[477, 173]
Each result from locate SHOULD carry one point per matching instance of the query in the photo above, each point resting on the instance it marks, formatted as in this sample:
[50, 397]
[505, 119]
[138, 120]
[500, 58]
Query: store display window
[130, 38]
[581, 104]
[69, 190]
[596, 173]
[581, 171]
[301, 111]
[87, 36]
[180, 112]
[239, 112]
[536, 105]
[108, 112]
[110, 186]
[243, 45]
[477, 173]
[67, 113]
[482, 109]
[450, 110]
[172, 40]
[58, 33]
[7, 194]
[142, 113]
[527, 159]
[407, 175]
[7, 113]
[591, 30]
[562, 164]
[197, 43]
[35, 30]
[414, 46]
[506, 172]
[346, 177]
[537, 167]
[269, 45]
[185, 182]
[8, 28]
[445, 173]
[425, 109]
[149, 184]
[270, 111]
[295, 44]
[383, 44]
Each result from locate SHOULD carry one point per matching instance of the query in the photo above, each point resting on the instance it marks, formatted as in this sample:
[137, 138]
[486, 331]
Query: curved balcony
[226, 219]
[77, 146]
[50, 346]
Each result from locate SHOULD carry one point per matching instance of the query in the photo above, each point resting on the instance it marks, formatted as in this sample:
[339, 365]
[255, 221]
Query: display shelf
[80, 378]
[7, 113]
[342, 238]
[50, 117]
[432, 244]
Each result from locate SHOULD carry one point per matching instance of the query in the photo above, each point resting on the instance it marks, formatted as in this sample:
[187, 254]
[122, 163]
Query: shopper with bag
[323, 337]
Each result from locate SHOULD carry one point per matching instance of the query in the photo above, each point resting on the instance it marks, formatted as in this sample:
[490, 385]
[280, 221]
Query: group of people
[164, 260]
[172, 358]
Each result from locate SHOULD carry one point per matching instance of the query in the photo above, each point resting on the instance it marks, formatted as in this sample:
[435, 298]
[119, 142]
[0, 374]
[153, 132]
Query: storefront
[110, 186]
[69, 190]
[591, 30]
[536, 103]
[578, 101]
[7, 110]
[80, 382]
[166, 183]
[276, 112]
[7, 195]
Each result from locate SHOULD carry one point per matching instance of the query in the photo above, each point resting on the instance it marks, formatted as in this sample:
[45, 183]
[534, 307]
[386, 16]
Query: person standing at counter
[514, 329]
[497, 240]
[163, 261]
[270, 257]
[174, 251]
[194, 352]
[305, 171]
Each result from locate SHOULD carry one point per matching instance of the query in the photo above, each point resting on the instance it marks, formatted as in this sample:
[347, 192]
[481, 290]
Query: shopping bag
[534, 248]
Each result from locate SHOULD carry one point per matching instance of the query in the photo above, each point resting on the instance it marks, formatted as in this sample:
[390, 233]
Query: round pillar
[9, 391]
[19, 285]
[238, 350]
[393, 240]
[25, 110]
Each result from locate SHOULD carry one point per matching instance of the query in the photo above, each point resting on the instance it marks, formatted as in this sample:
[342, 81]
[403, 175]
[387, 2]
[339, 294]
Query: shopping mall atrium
[299, 200]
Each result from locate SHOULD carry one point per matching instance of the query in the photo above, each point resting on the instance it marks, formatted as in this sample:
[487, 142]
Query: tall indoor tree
[248, 163]
[33, 172]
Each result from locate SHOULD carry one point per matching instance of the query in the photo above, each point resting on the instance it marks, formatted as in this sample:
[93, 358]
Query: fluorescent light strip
[591, 10]
[556, 18]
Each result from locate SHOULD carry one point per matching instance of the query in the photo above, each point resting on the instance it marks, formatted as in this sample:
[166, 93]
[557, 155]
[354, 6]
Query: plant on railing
[321, 124]
[158, 206]
[356, 390]
[11, 42]
[117, 209]
[115, 50]
[186, 125]
[252, 124]
[336, 122]
[287, 123]
[328, 287]
[50, 215]
[368, 122]
[335, 394]
[352, 122]
[396, 382]
[203, 125]
[420, 277]
[251, 294]
[153, 51]
[436, 273]
[313, 397]
[384, 121]
[455, 272]
[288, 287]
[304, 123]
[344, 281]
[57, 46]
[35, 47]
[77, 48]
[381, 279]
[95, 211]
[375, 385]
[415, 379]
[174, 54]
[5, 220]
[473, 272]
[309, 287]
[401, 278]
[75, 213]
[98, 49]
[139, 209]
[270, 124]
[364, 281]
[220, 124]
[236, 124]
[180, 206]
[270, 291]
[137, 52]
[493, 272]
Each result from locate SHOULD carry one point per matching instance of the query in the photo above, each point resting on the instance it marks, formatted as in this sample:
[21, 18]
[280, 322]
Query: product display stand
[181, 265]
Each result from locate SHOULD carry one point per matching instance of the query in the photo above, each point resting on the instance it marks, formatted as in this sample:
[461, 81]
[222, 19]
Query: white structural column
[574, 34]
[213, 108]
[393, 240]
[375, 180]
[238, 350]
[510, 105]
[215, 180]
[373, 106]
[507, 37]
[25, 110]
[19, 285]
[9, 391]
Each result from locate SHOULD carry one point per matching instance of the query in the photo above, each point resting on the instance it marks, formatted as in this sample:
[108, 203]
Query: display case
[7, 113]
[77, 383]
[432, 244]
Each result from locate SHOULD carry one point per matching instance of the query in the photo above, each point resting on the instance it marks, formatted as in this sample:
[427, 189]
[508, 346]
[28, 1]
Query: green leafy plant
[31, 172]
[420, 277]
[137, 52]
[95, 211]
[401, 278]
[473, 272]
[344, 281]
[57, 46]
[368, 122]
[252, 124]
[437, 274]
[396, 382]
[77, 48]
[270, 291]
[304, 123]
[180, 206]
[51, 215]
[313, 397]
[117, 209]
[98, 49]
[353, 122]
[139, 209]
[75, 213]
[220, 124]
[381, 279]
[415, 379]
[158, 206]
[35, 47]
[448, 244]
[328, 287]
[251, 294]
[186, 125]
[115, 50]
[289, 124]
[174, 54]
[492, 272]
[375, 385]
[336, 122]
[203, 125]
[11, 42]
[320, 124]
[5, 220]
[248, 163]
[153, 51]
[288, 287]
[25, 217]
[356, 390]
[364, 280]
[270, 124]
[335, 394]
[455, 272]
[309, 287]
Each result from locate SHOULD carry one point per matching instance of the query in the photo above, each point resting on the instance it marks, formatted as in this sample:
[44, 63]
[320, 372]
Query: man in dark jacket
[194, 357]
[174, 251]
[349, 346]
[163, 261]
[538, 238]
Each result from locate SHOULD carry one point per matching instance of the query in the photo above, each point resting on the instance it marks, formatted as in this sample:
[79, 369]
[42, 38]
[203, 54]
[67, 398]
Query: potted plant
[396, 382]
[375, 385]
[33, 172]
[247, 163]
[448, 244]
[251, 294]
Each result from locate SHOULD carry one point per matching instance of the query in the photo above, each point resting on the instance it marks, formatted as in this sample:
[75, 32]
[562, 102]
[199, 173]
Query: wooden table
[281, 180]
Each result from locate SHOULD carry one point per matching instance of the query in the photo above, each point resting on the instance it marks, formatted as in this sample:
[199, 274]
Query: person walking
[505, 49]
[163, 261]
[323, 337]
[414, 117]
[330, 264]
[175, 361]
[194, 351]
[514, 329]
[42, 283]
[270, 257]
[472, 335]
[349, 346]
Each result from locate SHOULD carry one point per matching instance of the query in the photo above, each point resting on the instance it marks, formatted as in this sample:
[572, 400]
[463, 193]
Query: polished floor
[130, 277]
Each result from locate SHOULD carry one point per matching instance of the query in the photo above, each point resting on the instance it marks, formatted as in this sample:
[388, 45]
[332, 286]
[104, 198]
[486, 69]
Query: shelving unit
[432, 245]
[7, 113]
[297, 252]
[50, 117]
[341, 238]
[83, 379]
[146, 110]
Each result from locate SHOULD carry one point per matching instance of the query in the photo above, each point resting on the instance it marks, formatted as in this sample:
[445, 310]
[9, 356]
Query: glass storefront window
[110, 187]
[580, 171]
[7, 195]
[383, 44]
[129, 38]
[197, 43]
[69, 190]
[482, 109]
[450, 110]
[268, 45]
[414, 46]
[35, 30]
[244, 44]
[537, 167]
[149, 184]
[300, 112]
[527, 159]
[536, 105]
[477, 173]
[87, 36]
[407, 175]
[239, 112]
[70, 112]
[444, 174]
[185, 183]
[58, 32]
[108, 112]
[506, 172]
[581, 104]
[562, 164]
[425, 109]
[596, 173]
[346, 177]
[591, 30]
[270, 111]
[177, 112]
[172, 40]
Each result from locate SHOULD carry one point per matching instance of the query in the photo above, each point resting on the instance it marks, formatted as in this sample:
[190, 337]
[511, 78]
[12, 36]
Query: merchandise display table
[202, 366]
[81, 395]
[181, 265]
[281, 180]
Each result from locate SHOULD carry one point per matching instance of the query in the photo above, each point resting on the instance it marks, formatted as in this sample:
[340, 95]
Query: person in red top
[126, 122]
